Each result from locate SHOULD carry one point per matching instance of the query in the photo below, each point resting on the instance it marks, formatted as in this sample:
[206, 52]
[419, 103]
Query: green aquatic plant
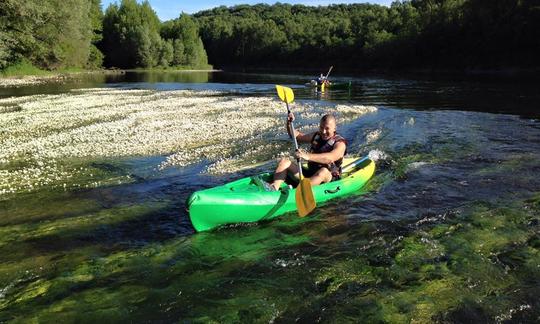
[475, 262]
[404, 164]
[509, 164]
[278, 271]
[207, 266]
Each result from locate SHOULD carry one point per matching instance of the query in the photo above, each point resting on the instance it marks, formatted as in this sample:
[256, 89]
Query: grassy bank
[23, 68]
[24, 73]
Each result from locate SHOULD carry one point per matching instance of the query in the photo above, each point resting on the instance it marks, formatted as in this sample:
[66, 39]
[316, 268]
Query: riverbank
[50, 77]
[36, 76]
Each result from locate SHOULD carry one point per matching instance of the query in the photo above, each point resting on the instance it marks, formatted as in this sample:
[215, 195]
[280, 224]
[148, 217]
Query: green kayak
[245, 200]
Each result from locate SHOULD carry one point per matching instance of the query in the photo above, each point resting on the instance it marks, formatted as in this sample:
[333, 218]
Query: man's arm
[304, 138]
[300, 137]
[325, 158]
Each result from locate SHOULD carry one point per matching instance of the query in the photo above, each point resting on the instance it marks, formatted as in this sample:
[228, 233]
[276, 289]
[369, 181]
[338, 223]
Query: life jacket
[318, 145]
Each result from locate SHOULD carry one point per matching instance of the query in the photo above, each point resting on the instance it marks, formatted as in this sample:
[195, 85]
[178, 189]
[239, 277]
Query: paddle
[305, 202]
[327, 74]
[326, 78]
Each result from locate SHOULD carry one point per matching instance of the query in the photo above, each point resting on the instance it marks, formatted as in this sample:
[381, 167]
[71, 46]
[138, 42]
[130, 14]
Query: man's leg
[285, 165]
[321, 176]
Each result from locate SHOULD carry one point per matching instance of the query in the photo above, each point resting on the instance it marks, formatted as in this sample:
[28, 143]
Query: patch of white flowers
[39, 133]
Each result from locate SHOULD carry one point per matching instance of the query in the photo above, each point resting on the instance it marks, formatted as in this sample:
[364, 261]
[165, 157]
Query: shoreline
[59, 77]
[50, 77]
[173, 70]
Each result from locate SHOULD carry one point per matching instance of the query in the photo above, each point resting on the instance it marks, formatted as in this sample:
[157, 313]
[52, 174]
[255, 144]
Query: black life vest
[318, 145]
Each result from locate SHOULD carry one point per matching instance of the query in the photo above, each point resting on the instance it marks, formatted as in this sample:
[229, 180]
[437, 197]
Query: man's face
[327, 129]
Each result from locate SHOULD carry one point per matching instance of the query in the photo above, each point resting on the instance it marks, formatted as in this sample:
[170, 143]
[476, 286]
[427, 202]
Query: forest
[441, 34]
[416, 34]
[56, 34]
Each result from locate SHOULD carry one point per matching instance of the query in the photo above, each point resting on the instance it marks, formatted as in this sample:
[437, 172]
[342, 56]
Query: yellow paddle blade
[305, 202]
[285, 94]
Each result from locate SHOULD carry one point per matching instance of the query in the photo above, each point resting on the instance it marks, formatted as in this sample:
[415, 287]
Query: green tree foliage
[417, 33]
[131, 35]
[179, 55]
[408, 34]
[167, 53]
[50, 34]
[134, 37]
[95, 59]
[188, 49]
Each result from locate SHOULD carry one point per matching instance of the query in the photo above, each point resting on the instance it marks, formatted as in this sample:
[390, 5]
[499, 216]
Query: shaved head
[327, 127]
[328, 117]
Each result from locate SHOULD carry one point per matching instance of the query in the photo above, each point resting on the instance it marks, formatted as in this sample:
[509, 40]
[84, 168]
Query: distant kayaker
[324, 157]
[322, 79]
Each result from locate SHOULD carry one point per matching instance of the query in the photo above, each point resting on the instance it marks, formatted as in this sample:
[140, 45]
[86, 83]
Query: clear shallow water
[447, 230]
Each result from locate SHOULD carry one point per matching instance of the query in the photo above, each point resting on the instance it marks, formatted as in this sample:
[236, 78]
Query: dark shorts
[307, 173]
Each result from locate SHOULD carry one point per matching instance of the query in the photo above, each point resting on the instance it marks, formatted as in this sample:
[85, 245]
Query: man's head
[327, 127]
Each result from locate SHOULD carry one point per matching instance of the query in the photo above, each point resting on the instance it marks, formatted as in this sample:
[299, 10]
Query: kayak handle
[332, 191]
[190, 201]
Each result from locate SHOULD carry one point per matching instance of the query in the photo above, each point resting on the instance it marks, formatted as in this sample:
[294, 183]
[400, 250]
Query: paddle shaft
[327, 74]
[294, 139]
[305, 201]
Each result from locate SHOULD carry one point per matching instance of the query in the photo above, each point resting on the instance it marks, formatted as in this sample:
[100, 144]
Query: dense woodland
[56, 34]
[417, 34]
[444, 34]
[50, 34]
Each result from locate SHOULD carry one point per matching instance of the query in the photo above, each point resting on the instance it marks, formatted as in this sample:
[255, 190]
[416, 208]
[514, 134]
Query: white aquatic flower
[41, 131]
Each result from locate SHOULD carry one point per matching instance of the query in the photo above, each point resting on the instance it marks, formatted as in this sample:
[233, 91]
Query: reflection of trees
[173, 77]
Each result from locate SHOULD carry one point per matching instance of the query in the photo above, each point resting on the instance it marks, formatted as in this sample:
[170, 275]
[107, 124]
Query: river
[93, 225]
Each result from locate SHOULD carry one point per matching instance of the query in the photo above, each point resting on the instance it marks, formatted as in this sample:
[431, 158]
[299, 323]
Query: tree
[188, 48]
[51, 34]
[95, 58]
[131, 35]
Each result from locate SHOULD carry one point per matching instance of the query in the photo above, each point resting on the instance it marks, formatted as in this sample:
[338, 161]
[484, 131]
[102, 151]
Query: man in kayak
[322, 79]
[324, 157]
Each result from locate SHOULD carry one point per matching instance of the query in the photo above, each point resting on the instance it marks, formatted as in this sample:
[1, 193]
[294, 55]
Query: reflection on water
[167, 77]
[447, 231]
[497, 94]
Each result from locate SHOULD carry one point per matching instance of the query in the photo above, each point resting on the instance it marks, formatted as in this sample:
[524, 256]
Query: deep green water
[448, 230]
